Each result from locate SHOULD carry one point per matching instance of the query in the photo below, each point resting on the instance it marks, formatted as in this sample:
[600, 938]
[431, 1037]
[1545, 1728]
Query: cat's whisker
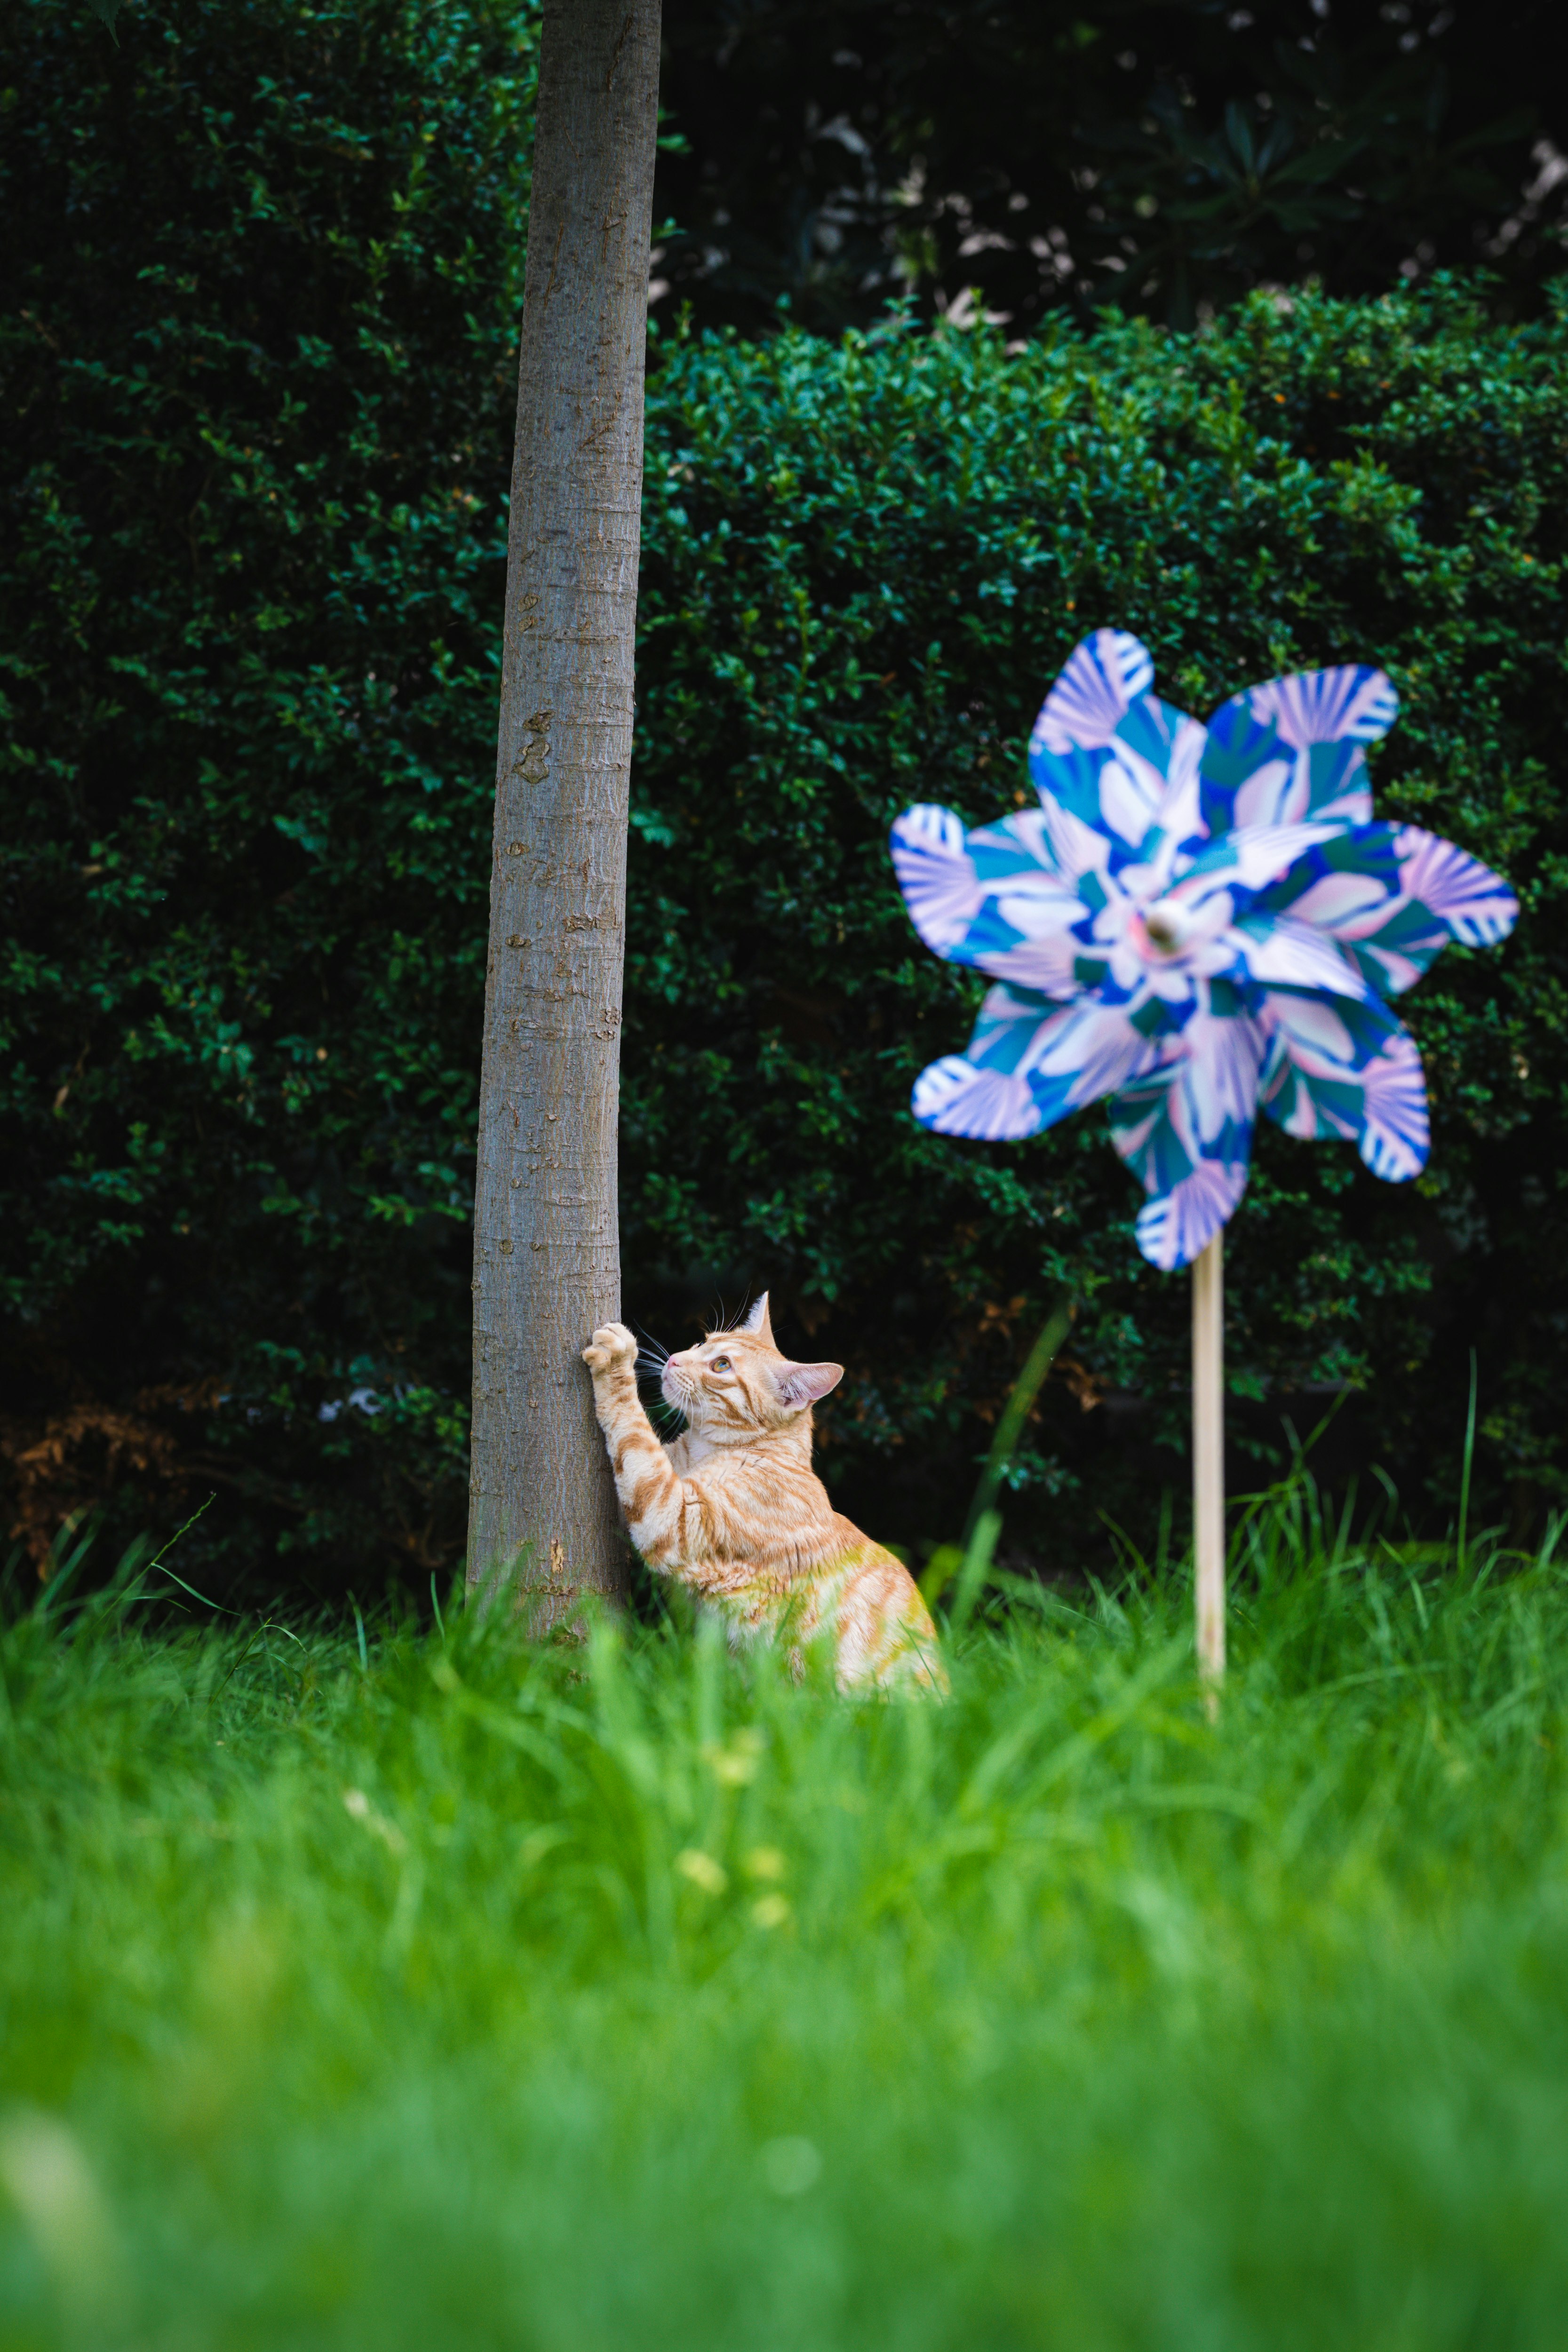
[652, 1354]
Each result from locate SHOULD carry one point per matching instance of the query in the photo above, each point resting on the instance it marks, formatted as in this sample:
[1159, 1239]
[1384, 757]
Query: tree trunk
[541, 1514]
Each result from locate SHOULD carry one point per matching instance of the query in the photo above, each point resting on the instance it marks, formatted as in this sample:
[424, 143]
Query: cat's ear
[804, 1383]
[759, 1322]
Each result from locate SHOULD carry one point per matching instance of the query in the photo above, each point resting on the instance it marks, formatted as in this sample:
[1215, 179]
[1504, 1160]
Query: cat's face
[737, 1384]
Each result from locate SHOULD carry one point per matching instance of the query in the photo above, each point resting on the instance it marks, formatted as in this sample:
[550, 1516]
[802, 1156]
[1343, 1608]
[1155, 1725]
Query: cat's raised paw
[613, 1346]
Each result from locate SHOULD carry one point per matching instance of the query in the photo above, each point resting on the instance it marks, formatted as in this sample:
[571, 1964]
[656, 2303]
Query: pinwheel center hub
[1170, 925]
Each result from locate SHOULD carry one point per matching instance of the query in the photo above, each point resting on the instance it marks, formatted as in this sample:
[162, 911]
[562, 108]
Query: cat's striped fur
[733, 1510]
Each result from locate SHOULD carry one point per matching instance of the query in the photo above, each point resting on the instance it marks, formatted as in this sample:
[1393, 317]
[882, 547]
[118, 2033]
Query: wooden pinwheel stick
[1208, 1455]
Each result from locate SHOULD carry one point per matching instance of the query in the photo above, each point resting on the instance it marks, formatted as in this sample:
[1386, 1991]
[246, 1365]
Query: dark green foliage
[1165, 154]
[258, 356]
[262, 269]
[863, 564]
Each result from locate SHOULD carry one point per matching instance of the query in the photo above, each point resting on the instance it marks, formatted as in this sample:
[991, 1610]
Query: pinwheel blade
[993, 898]
[1030, 1064]
[1108, 759]
[1185, 1131]
[1102, 678]
[1347, 1073]
[1393, 897]
[936, 875]
[1291, 749]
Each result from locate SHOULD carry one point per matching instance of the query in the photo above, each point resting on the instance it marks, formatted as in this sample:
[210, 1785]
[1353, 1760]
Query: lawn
[432, 1989]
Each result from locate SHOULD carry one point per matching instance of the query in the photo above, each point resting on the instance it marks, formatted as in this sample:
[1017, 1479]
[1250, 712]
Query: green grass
[381, 2002]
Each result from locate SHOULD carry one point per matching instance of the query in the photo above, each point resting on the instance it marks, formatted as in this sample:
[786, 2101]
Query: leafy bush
[261, 279]
[863, 564]
[1166, 155]
[257, 350]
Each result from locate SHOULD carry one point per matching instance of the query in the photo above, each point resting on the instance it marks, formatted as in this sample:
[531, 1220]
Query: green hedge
[863, 564]
[262, 269]
[257, 361]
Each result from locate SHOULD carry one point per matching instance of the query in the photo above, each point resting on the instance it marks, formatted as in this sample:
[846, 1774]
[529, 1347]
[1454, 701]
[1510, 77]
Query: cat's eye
[721, 1363]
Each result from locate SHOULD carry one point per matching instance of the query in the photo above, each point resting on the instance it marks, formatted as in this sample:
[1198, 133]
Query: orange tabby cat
[733, 1510]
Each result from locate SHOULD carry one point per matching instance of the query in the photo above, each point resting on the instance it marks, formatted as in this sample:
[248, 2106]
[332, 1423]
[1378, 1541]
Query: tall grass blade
[1018, 1409]
[1463, 1545]
[977, 1569]
[62, 1573]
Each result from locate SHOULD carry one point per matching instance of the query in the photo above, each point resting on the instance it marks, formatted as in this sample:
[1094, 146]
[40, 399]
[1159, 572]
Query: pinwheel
[1196, 921]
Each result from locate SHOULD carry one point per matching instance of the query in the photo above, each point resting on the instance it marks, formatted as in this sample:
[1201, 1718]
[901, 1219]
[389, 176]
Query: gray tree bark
[541, 1519]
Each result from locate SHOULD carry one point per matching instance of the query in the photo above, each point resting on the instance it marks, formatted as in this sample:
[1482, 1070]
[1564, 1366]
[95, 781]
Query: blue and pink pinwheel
[1196, 921]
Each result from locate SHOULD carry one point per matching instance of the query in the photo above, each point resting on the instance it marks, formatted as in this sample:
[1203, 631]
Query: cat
[733, 1511]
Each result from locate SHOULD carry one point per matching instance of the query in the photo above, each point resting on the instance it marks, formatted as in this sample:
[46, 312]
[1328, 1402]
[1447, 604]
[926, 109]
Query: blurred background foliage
[1019, 156]
[262, 276]
[256, 354]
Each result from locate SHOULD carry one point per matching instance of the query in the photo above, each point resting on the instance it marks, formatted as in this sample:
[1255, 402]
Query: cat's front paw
[614, 1349]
